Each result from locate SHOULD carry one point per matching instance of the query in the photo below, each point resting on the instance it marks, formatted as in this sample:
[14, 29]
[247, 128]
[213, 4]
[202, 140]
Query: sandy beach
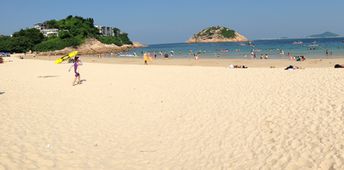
[131, 116]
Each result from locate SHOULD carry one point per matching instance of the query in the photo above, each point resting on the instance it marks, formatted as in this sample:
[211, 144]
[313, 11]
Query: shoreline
[207, 62]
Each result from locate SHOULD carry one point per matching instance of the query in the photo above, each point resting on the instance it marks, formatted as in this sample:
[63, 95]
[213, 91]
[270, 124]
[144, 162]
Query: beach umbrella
[66, 57]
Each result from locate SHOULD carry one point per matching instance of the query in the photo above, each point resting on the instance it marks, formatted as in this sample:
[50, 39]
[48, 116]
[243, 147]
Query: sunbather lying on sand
[291, 67]
[237, 66]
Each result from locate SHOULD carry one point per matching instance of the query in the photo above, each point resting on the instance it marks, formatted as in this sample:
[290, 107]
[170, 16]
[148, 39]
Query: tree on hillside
[5, 42]
[52, 24]
[34, 35]
[21, 41]
[78, 26]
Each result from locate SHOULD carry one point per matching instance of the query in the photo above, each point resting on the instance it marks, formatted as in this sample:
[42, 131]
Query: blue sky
[169, 21]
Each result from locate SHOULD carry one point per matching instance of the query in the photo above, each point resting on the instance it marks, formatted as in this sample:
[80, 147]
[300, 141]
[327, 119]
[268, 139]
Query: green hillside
[73, 31]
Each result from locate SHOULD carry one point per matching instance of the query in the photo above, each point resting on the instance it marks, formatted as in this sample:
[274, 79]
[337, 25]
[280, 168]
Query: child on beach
[76, 64]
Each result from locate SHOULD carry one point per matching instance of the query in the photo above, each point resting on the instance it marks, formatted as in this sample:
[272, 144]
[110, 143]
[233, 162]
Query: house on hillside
[50, 32]
[47, 32]
[108, 31]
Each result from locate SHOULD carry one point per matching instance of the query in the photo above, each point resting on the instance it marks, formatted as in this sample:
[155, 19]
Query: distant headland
[217, 34]
[324, 35]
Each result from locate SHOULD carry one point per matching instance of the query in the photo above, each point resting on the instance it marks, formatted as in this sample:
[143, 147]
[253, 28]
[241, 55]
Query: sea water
[281, 48]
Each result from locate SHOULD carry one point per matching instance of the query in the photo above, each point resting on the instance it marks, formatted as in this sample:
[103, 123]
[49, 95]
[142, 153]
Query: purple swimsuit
[76, 69]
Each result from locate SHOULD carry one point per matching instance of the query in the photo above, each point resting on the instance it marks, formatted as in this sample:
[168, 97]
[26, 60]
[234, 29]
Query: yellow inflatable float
[66, 57]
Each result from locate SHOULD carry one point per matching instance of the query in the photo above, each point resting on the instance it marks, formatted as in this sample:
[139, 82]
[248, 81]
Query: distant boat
[314, 44]
[297, 42]
[128, 55]
[249, 43]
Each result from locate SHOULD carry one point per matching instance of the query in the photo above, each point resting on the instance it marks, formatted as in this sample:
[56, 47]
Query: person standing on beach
[253, 54]
[145, 58]
[76, 64]
[196, 56]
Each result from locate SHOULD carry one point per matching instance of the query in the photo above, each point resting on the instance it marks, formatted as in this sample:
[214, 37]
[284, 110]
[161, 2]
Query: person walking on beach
[76, 64]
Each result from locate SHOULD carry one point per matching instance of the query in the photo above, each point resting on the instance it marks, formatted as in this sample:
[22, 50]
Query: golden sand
[170, 117]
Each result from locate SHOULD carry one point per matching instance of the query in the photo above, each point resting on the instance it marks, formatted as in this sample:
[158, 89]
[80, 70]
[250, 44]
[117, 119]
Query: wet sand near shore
[211, 62]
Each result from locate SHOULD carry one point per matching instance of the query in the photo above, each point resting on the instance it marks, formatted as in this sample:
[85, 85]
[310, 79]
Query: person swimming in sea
[76, 64]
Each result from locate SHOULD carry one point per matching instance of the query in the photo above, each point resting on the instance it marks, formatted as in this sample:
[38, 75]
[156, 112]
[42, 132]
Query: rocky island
[217, 34]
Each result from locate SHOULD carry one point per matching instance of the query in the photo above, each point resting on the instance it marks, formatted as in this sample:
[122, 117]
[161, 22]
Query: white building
[46, 31]
[107, 31]
[50, 32]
